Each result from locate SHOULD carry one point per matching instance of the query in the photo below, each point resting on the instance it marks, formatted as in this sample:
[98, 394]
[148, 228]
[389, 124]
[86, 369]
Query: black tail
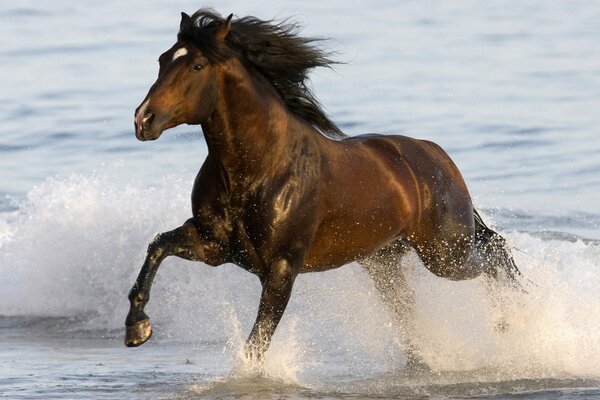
[497, 257]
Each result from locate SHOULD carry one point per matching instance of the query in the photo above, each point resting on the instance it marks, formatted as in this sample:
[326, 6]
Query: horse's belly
[338, 244]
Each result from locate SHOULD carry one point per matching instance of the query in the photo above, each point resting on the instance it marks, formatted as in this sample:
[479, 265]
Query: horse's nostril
[147, 120]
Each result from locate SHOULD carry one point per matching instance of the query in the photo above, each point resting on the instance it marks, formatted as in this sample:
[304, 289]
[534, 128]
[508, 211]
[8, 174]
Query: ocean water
[511, 89]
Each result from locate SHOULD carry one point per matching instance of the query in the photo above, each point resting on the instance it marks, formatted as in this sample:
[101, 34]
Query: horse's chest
[263, 226]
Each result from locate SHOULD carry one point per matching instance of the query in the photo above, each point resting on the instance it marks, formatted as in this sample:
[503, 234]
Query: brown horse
[282, 190]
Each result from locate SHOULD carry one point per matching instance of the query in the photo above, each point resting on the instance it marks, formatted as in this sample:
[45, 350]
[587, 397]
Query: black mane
[274, 49]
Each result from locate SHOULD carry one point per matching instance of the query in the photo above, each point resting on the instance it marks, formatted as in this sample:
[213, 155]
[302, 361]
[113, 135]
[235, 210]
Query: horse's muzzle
[143, 125]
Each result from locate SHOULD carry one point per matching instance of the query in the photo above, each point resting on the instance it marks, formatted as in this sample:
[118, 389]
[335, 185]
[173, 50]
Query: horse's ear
[223, 29]
[186, 20]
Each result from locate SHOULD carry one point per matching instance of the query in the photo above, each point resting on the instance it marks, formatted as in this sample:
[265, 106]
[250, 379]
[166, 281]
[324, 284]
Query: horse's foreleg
[184, 242]
[276, 290]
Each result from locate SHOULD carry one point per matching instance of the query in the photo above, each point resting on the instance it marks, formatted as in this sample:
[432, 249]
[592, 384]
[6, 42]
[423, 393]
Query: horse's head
[186, 88]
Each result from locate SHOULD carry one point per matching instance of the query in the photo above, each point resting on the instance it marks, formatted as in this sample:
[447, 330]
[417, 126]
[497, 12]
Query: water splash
[552, 328]
[283, 363]
[75, 246]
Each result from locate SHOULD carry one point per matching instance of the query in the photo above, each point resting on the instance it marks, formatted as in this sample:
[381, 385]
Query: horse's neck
[250, 123]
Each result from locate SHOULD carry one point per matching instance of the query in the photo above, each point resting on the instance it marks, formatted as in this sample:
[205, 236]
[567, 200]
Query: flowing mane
[273, 49]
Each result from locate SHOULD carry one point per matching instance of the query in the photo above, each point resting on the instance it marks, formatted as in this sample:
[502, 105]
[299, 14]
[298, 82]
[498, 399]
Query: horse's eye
[198, 67]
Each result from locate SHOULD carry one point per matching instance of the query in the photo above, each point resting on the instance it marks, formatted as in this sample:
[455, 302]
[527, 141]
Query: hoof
[138, 333]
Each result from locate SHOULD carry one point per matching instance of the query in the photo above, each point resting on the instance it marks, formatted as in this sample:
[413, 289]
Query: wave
[74, 247]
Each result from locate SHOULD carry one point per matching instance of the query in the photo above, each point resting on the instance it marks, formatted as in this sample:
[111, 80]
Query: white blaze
[180, 53]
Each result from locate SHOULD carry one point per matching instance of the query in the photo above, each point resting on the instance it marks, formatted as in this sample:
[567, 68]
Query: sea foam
[75, 246]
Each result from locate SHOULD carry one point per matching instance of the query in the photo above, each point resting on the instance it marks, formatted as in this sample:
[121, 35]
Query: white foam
[76, 245]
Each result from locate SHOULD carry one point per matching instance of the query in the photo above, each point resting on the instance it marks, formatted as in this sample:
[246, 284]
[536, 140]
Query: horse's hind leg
[185, 242]
[385, 269]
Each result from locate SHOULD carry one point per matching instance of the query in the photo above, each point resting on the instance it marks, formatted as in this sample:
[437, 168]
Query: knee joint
[159, 244]
[282, 269]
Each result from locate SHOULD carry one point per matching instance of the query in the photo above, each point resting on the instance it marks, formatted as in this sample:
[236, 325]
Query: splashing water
[74, 247]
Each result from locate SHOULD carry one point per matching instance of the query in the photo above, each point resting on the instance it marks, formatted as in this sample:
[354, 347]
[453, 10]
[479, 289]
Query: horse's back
[435, 177]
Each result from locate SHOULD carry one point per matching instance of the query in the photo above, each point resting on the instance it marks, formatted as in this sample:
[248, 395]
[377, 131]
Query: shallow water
[509, 89]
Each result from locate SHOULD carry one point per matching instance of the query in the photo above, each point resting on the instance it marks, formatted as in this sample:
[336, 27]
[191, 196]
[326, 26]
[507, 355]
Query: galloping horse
[283, 191]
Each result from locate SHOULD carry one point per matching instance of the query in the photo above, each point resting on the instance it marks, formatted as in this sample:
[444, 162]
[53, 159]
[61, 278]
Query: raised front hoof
[138, 333]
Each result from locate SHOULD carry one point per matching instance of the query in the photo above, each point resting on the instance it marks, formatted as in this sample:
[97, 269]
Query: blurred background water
[511, 89]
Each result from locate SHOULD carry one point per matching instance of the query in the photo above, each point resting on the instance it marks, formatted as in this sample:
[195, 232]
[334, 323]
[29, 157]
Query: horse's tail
[495, 253]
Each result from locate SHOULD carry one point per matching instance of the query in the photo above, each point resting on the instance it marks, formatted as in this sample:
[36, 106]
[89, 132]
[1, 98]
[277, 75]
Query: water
[510, 89]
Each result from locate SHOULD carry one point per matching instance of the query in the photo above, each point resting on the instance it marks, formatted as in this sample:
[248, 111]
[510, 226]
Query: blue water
[510, 89]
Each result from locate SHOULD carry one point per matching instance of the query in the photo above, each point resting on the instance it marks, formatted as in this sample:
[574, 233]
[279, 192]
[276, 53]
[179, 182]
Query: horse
[283, 191]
